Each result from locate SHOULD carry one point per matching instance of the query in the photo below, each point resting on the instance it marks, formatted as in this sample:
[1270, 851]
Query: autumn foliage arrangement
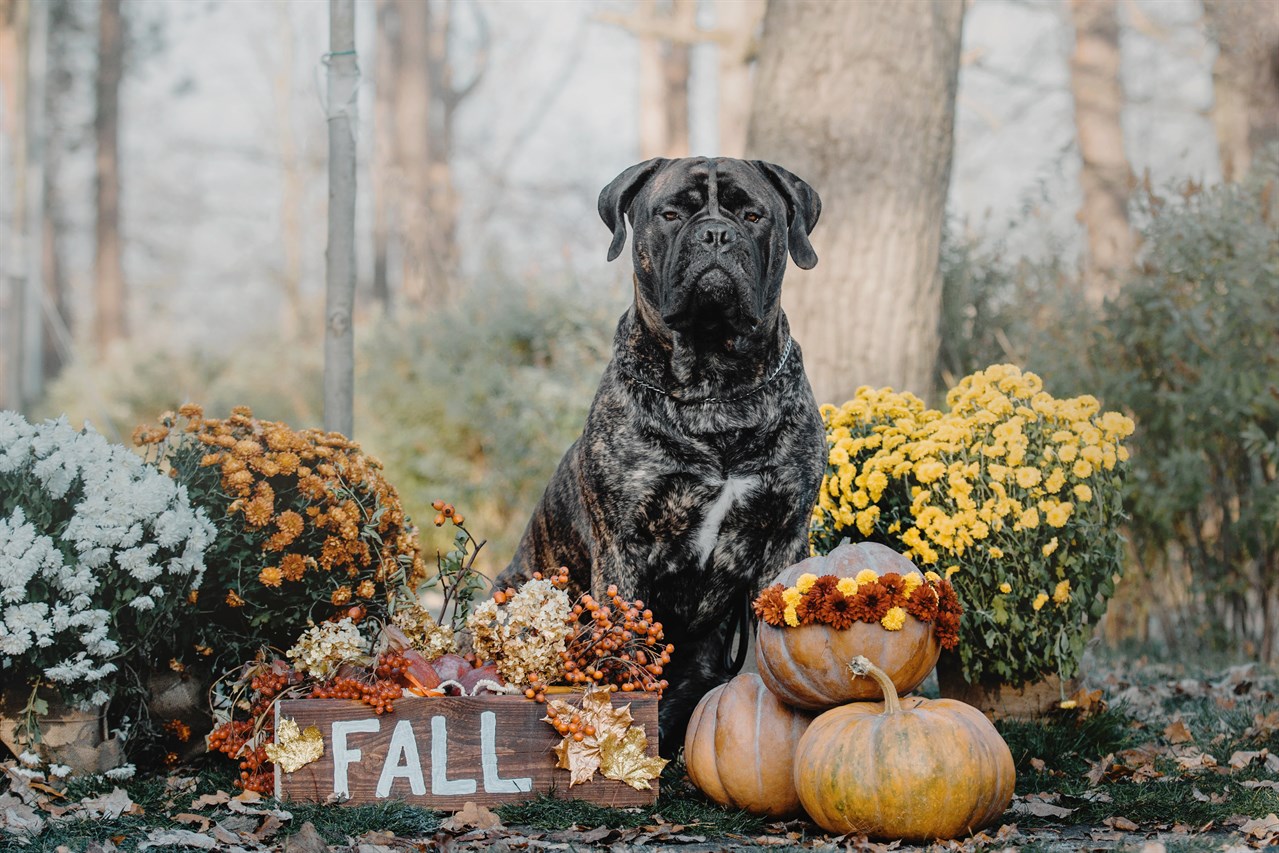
[308, 528]
[869, 597]
[1011, 492]
[532, 640]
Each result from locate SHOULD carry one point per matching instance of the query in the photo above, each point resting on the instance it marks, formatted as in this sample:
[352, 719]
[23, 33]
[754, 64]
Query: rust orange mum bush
[308, 527]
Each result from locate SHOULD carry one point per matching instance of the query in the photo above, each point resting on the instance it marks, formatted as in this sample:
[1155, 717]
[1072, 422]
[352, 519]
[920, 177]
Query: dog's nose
[717, 234]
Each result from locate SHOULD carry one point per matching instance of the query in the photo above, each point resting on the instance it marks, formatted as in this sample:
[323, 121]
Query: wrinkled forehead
[690, 182]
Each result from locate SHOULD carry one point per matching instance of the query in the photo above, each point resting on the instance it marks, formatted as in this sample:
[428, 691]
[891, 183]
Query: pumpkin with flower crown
[860, 599]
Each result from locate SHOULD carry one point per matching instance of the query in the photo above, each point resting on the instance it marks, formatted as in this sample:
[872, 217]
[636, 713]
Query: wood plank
[447, 751]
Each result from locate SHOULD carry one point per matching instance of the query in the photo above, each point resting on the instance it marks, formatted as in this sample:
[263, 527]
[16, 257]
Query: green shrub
[1192, 350]
[476, 404]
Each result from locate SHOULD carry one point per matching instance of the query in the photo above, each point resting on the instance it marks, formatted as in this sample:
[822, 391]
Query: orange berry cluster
[379, 694]
[618, 645]
[572, 726]
[391, 665]
[445, 512]
[232, 737]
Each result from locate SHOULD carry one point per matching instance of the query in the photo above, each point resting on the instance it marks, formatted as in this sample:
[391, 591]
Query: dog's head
[711, 238]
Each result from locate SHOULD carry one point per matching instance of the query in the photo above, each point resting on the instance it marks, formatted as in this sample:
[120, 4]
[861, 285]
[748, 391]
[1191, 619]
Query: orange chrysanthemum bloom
[770, 607]
[341, 596]
[233, 599]
[293, 566]
[871, 602]
[947, 627]
[365, 589]
[837, 611]
[895, 585]
[922, 603]
[271, 576]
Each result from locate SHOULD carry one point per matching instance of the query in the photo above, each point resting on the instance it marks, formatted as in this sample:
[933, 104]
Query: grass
[678, 802]
[1216, 720]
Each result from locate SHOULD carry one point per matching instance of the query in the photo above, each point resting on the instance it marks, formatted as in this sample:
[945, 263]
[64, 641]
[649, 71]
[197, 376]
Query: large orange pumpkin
[740, 747]
[806, 666]
[916, 769]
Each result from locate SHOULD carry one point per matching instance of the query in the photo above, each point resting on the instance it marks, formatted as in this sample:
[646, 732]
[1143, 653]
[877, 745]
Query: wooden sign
[444, 752]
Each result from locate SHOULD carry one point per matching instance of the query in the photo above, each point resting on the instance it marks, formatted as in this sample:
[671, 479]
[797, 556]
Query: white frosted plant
[98, 549]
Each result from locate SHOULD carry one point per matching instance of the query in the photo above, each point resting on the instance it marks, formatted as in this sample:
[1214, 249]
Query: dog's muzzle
[718, 286]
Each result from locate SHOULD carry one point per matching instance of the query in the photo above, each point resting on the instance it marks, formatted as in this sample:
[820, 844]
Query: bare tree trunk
[13, 134]
[677, 72]
[292, 183]
[32, 227]
[442, 253]
[1105, 174]
[1245, 79]
[413, 152]
[737, 21]
[652, 90]
[387, 60]
[111, 308]
[859, 100]
[339, 338]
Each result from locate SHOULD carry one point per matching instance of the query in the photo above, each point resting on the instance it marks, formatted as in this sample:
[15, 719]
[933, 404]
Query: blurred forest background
[1082, 187]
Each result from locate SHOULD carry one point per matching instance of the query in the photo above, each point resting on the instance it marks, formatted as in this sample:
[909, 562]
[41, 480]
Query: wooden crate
[447, 751]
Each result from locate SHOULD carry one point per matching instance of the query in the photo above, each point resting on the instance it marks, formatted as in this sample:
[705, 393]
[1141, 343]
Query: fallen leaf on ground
[1240, 759]
[18, 817]
[1039, 808]
[1263, 726]
[205, 801]
[1263, 828]
[1193, 760]
[1120, 823]
[1261, 783]
[197, 820]
[112, 805]
[472, 816]
[178, 838]
[1038, 765]
[270, 826]
[306, 840]
[1176, 732]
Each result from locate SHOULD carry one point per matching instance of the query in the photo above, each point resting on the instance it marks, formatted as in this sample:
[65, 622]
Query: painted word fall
[403, 760]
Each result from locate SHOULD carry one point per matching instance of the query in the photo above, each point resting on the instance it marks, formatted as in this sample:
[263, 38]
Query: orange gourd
[805, 665]
[913, 769]
[740, 747]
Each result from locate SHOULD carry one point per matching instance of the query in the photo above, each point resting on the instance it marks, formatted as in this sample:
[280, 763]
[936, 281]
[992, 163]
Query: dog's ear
[615, 199]
[803, 207]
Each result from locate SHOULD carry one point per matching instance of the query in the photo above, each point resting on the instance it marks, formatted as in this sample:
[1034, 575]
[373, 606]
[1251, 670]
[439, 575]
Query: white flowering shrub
[98, 550]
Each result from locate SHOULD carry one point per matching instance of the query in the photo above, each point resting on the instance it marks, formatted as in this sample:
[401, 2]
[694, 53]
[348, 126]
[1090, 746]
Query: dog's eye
[670, 215]
[751, 217]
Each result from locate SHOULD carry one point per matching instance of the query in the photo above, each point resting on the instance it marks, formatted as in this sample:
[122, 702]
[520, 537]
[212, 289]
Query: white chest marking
[733, 489]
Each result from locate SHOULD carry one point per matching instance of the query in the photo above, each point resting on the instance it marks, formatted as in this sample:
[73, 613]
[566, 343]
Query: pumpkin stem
[861, 666]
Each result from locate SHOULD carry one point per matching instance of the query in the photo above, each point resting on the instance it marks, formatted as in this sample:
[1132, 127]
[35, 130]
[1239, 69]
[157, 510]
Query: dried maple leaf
[294, 748]
[472, 816]
[1262, 828]
[1121, 823]
[1176, 732]
[627, 760]
[581, 758]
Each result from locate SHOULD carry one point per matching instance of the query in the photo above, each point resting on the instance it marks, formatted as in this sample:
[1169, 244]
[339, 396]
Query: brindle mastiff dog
[695, 477]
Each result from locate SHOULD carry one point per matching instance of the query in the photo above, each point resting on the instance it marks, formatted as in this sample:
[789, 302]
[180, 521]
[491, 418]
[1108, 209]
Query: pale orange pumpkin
[806, 665]
[914, 769]
[740, 747]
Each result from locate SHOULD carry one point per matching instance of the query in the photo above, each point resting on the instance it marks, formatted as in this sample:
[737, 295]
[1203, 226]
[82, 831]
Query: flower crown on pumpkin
[868, 597]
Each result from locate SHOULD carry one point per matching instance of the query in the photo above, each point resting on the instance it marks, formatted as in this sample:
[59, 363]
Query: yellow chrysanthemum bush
[308, 529]
[1012, 493]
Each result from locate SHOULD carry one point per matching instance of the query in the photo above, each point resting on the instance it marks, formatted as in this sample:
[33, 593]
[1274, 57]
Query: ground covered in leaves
[1165, 761]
